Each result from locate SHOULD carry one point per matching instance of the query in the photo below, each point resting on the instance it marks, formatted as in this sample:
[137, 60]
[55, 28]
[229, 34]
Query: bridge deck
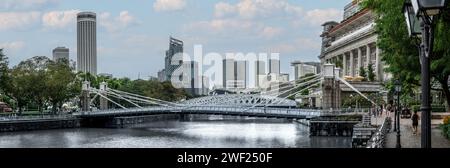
[237, 111]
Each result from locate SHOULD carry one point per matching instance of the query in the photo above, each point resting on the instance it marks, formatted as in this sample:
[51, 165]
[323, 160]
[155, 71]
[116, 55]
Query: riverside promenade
[409, 140]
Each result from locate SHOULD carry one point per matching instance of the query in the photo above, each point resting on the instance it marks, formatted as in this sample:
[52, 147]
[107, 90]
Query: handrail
[378, 138]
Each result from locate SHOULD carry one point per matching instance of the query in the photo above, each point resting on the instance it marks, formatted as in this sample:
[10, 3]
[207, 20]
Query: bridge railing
[378, 139]
[230, 109]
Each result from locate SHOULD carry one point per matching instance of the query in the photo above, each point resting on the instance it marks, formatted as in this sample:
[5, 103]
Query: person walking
[415, 122]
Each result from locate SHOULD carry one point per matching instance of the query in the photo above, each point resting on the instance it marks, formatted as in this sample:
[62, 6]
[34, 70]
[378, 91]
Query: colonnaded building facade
[352, 45]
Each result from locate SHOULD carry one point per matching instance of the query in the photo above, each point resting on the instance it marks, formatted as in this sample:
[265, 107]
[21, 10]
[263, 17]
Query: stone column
[103, 101]
[359, 60]
[85, 97]
[344, 63]
[368, 56]
[328, 87]
[337, 90]
[352, 59]
[377, 64]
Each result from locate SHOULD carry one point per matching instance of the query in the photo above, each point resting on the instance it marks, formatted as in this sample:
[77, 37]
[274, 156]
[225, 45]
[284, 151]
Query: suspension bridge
[271, 102]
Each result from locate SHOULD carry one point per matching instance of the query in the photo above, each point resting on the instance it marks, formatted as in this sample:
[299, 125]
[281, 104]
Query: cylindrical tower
[87, 42]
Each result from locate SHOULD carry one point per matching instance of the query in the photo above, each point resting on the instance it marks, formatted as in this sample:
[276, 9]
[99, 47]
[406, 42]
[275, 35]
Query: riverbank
[43, 123]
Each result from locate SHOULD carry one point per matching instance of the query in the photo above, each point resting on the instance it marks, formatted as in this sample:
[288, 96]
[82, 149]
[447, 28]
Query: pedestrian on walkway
[415, 122]
[389, 109]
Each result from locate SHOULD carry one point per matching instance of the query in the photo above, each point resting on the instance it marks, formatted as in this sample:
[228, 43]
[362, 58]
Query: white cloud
[169, 5]
[299, 44]
[317, 17]
[222, 9]
[121, 22]
[270, 32]
[16, 45]
[220, 26]
[59, 19]
[26, 4]
[250, 9]
[18, 20]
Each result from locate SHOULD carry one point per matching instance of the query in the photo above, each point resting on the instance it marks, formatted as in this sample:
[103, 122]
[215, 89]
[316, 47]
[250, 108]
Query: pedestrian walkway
[409, 140]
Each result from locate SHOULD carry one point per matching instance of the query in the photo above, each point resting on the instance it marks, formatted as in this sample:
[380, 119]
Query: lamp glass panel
[427, 4]
[416, 7]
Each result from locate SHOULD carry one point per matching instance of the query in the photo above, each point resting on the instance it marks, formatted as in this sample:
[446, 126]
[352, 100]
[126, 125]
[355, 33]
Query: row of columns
[355, 56]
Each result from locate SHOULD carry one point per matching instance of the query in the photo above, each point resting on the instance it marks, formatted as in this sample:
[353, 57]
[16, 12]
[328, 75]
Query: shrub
[446, 127]
[434, 108]
[447, 120]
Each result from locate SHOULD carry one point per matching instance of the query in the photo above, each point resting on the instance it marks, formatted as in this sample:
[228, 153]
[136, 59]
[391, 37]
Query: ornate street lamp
[398, 90]
[423, 12]
[428, 7]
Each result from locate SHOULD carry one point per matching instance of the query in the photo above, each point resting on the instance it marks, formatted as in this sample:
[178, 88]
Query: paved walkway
[408, 140]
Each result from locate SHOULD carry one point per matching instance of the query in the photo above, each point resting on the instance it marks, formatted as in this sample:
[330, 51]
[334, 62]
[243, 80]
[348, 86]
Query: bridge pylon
[331, 92]
[85, 96]
[103, 101]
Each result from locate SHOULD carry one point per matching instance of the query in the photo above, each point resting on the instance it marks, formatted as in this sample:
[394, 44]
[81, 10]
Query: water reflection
[206, 132]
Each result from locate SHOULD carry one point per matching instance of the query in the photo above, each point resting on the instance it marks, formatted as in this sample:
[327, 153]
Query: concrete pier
[333, 126]
[123, 122]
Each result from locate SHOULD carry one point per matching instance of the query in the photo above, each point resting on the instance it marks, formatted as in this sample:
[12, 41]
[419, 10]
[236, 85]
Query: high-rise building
[303, 68]
[60, 53]
[274, 66]
[284, 77]
[228, 73]
[234, 74]
[240, 74]
[260, 73]
[162, 75]
[175, 47]
[87, 42]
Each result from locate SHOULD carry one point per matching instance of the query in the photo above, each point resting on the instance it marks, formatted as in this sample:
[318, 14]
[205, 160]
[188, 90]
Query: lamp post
[398, 90]
[420, 16]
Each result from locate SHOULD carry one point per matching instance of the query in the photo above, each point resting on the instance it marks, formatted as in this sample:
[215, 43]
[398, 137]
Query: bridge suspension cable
[145, 99]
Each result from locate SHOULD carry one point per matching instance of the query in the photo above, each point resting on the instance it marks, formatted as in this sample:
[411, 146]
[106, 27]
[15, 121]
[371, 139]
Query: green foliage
[352, 100]
[446, 127]
[60, 84]
[339, 63]
[4, 70]
[362, 73]
[436, 108]
[401, 53]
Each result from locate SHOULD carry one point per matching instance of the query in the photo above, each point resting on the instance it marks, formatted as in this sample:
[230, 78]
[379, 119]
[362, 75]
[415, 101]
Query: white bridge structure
[267, 103]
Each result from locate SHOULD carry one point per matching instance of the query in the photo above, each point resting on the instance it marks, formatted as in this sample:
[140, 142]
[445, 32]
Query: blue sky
[134, 34]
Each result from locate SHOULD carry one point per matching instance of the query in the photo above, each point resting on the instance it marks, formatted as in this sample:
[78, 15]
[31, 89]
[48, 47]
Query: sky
[133, 35]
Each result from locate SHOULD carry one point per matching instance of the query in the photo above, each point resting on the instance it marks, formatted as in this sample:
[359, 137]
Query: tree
[4, 71]
[61, 84]
[401, 52]
[362, 73]
[5, 80]
[30, 76]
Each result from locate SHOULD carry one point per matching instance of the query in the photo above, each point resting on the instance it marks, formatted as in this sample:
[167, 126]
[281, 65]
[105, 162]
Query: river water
[206, 132]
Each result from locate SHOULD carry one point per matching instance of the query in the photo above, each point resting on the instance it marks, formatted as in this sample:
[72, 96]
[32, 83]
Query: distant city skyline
[132, 35]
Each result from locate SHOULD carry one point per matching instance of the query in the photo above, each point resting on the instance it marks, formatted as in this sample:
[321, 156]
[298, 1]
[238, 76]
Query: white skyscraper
[261, 74]
[274, 66]
[87, 42]
[241, 74]
[228, 73]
